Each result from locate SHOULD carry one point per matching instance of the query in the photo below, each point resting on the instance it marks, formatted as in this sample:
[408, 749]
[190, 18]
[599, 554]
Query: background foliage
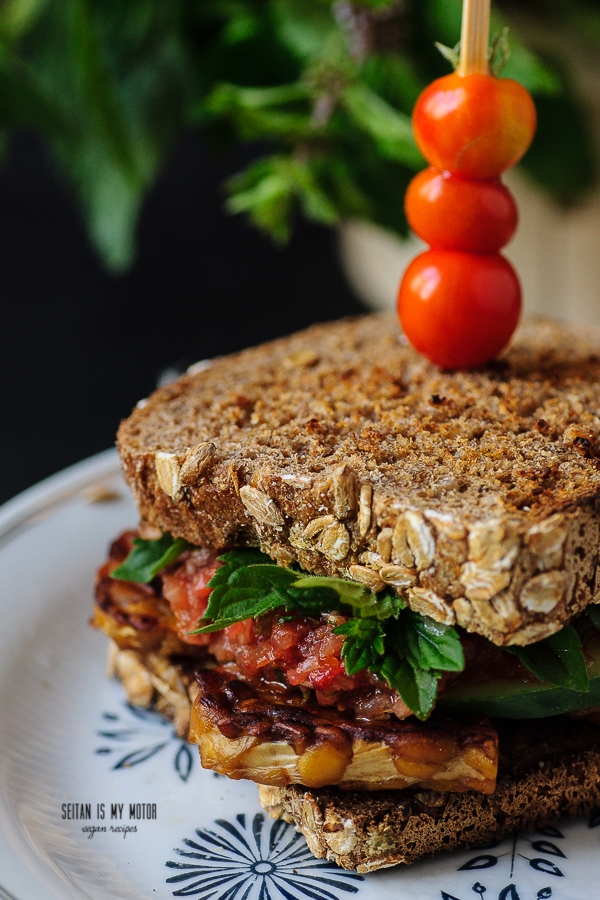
[324, 89]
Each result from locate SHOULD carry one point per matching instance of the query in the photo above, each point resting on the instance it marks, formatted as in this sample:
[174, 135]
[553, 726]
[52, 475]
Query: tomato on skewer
[475, 125]
[460, 302]
[459, 309]
[453, 213]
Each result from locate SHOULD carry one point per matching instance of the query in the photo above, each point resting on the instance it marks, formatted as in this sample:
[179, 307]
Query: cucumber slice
[531, 699]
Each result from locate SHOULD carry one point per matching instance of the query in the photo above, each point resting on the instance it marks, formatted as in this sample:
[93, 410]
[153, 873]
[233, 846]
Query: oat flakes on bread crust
[475, 494]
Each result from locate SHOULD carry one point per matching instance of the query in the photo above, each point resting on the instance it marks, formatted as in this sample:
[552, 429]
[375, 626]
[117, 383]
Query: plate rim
[56, 489]
[26, 506]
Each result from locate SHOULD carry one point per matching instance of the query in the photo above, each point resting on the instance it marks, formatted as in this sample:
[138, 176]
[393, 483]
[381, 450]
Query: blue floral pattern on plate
[145, 733]
[255, 860]
[540, 851]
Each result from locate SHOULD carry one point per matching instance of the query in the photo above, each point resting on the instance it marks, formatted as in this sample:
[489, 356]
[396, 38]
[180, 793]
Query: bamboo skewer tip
[474, 38]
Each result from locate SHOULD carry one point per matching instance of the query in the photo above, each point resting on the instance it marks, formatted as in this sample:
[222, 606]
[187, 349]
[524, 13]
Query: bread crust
[474, 494]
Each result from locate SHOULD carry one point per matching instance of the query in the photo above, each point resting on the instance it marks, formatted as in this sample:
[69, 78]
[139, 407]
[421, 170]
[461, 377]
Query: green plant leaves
[148, 558]
[269, 190]
[363, 645]
[390, 129]
[417, 687]
[435, 646]
[326, 90]
[104, 83]
[557, 659]
[418, 651]
[249, 585]
[406, 649]
[359, 597]
[409, 651]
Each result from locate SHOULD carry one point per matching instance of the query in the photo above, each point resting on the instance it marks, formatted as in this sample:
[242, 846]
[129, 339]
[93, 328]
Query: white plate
[67, 737]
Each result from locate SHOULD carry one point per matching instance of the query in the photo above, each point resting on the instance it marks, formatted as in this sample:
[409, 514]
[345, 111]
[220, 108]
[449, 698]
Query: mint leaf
[416, 687]
[247, 587]
[557, 659]
[408, 650]
[148, 558]
[364, 644]
[437, 646]
[405, 668]
[356, 595]
[388, 128]
[350, 592]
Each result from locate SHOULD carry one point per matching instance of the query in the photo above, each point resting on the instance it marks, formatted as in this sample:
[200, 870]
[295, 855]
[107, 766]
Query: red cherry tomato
[452, 213]
[475, 124]
[459, 309]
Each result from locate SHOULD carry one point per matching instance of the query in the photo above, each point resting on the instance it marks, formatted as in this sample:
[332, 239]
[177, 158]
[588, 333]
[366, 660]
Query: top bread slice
[474, 494]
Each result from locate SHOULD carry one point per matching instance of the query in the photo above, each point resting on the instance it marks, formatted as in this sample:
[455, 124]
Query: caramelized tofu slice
[246, 734]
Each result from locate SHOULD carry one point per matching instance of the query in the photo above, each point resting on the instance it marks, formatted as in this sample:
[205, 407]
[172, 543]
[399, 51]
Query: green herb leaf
[558, 660]
[247, 587]
[351, 593]
[364, 644]
[416, 687]
[438, 646]
[388, 127]
[406, 669]
[409, 652]
[148, 558]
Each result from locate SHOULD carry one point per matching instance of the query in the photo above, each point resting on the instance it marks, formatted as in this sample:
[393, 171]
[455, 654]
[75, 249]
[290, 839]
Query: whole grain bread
[548, 769]
[474, 494]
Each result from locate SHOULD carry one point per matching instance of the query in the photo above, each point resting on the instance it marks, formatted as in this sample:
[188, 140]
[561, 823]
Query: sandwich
[370, 586]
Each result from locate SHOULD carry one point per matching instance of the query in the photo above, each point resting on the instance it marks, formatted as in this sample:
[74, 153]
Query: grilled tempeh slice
[242, 733]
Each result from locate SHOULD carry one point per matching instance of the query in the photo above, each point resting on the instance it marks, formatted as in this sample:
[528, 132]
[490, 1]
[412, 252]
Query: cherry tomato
[459, 309]
[453, 213]
[475, 124]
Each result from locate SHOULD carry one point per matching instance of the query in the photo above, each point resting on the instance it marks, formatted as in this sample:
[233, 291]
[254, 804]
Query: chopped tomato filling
[304, 650]
[184, 585]
[283, 650]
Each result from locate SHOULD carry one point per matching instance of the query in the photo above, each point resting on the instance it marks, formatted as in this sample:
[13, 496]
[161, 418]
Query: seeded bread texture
[474, 494]
[557, 775]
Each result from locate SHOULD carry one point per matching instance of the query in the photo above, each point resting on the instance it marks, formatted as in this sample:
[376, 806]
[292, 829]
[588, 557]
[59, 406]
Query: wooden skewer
[474, 37]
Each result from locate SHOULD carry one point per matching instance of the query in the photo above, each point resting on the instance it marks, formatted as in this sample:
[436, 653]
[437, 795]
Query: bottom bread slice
[548, 768]
[371, 831]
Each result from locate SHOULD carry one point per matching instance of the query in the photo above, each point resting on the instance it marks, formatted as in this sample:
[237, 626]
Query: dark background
[80, 347]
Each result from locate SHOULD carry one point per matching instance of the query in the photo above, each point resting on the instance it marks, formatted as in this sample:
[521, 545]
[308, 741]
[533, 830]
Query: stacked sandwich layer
[451, 521]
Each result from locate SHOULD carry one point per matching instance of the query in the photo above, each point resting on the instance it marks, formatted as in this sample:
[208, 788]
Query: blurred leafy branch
[325, 89]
